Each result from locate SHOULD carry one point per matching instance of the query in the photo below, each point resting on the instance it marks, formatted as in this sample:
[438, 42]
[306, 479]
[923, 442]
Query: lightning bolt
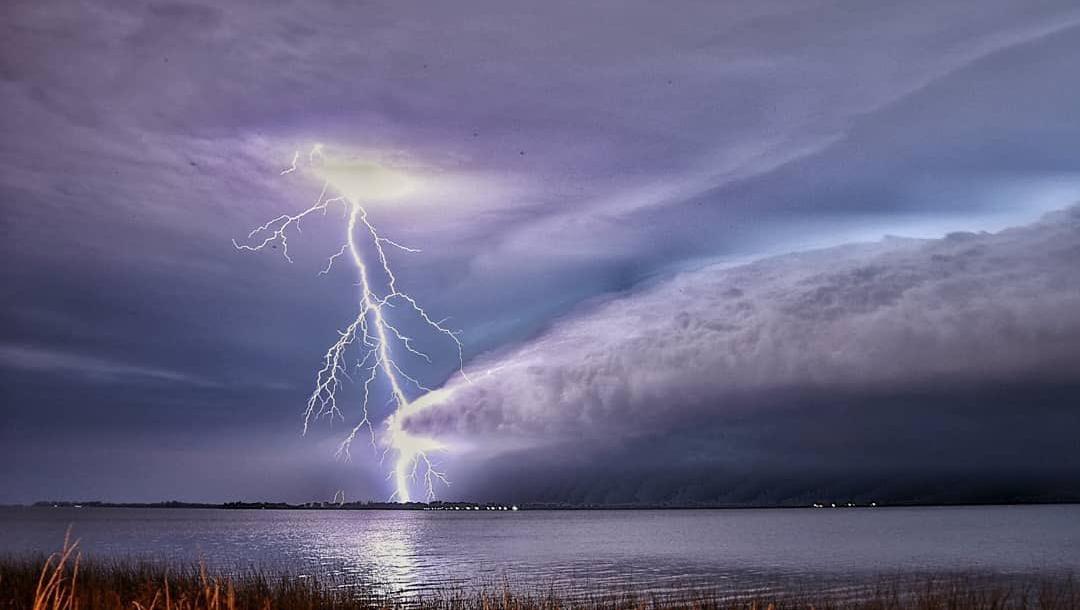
[366, 345]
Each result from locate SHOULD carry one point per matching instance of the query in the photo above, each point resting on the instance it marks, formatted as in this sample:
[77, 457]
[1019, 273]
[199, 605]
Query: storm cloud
[566, 153]
[857, 333]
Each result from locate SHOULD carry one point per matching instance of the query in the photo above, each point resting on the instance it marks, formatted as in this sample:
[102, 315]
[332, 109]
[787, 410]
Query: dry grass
[63, 582]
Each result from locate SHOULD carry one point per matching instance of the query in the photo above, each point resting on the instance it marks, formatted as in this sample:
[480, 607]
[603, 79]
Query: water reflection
[391, 548]
[381, 548]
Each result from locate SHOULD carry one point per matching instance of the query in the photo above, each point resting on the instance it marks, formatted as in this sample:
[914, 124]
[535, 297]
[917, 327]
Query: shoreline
[507, 507]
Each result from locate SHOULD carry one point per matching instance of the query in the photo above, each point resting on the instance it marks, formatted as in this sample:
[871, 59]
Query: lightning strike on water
[371, 335]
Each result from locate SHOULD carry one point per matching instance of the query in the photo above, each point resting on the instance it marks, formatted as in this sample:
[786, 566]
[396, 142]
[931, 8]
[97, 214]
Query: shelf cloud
[760, 341]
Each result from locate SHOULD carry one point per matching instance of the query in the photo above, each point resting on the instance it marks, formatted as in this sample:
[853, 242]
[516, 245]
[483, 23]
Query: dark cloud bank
[901, 370]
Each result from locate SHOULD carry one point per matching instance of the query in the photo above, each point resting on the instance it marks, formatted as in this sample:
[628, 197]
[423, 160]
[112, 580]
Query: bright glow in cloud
[366, 181]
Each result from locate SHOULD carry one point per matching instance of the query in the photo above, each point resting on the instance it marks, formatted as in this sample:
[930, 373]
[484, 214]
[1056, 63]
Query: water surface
[415, 551]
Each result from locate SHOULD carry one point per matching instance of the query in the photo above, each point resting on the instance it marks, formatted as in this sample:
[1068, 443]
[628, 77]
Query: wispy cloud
[92, 368]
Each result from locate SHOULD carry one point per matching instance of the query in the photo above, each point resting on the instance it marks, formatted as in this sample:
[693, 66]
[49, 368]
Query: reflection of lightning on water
[370, 336]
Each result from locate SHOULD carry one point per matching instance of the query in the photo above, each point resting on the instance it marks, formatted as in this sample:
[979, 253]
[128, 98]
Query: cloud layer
[785, 338]
[565, 152]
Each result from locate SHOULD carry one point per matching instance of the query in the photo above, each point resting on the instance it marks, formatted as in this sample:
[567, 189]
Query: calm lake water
[570, 550]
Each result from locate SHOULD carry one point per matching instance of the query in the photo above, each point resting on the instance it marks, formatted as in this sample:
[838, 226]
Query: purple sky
[594, 180]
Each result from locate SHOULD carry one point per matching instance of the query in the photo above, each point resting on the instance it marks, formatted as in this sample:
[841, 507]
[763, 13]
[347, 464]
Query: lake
[417, 551]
